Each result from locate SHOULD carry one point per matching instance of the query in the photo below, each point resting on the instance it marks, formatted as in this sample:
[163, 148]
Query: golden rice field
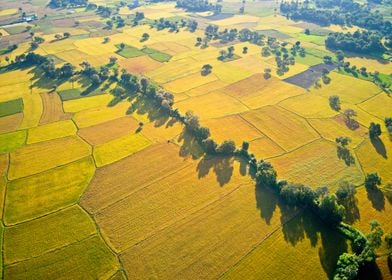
[96, 186]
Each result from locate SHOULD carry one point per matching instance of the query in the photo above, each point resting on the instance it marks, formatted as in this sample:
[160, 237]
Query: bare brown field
[141, 64]
[107, 131]
[53, 109]
[112, 182]
[10, 123]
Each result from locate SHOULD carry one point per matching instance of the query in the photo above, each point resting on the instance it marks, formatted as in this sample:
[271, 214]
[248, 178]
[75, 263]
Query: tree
[206, 69]
[331, 210]
[191, 121]
[372, 180]
[334, 102]
[374, 130]
[106, 40]
[245, 146]
[388, 240]
[265, 174]
[58, 36]
[347, 267]
[122, 46]
[245, 50]
[226, 148]
[298, 195]
[145, 37]
[230, 51]
[307, 31]
[112, 60]
[388, 124]
[346, 191]
[209, 146]
[375, 235]
[95, 79]
[109, 24]
[267, 73]
[66, 34]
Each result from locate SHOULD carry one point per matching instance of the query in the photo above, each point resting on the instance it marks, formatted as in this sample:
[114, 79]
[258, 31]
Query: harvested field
[141, 64]
[11, 107]
[31, 239]
[119, 148]
[88, 259]
[247, 86]
[309, 106]
[293, 131]
[374, 157]
[313, 165]
[51, 131]
[232, 127]
[10, 123]
[208, 242]
[108, 131]
[282, 255]
[12, 140]
[52, 109]
[37, 195]
[307, 78]
[111, 183]
[212, 105]
[128, 221]
[37, 157]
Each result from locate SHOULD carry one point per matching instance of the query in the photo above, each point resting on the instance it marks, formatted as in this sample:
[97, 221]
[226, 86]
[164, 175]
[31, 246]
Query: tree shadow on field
[379, 147]
[301, 225]
[144, 106]
[370, 271]
[376, 197]
[221, 165]
[352, 211]
[189, 145]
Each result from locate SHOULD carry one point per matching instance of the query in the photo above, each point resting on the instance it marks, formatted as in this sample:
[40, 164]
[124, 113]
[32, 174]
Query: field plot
[88, 259]
[373, 107]
[265, 148]
[10, 123]
[38, 195]
[293, 131]
[119, 148]
[309, 106]
[374, 156]
[236, 19]
[207, 88]
[253, 63]
[350, 90]
[111, 183]
[370, 64]
[58, 47]
[210, 241]
[89, 102]
[12, 140]
[108, 131]
[33, 109]
[130, 52]
[11, 107]
[212, 105]
[38, 157]
[95, 46]
[232, 127]
[189, 82]
[51, 131]
[316, 164]
[52, 109]
[247, 86]
[31, 239]
[3, 164]
[229, 73]
[141, 64]
[282, 255]
[13, 91]
[99, 115]
[129, 221]
[333, 128]
[307, 78]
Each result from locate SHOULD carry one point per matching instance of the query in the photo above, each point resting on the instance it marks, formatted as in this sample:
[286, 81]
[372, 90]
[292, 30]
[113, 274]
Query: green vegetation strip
[11, 107]
[11, 141]
[130, 52]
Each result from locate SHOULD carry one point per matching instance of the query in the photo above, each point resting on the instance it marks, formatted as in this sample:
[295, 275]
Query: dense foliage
[67, 3]
[199, 6]
[361, 42]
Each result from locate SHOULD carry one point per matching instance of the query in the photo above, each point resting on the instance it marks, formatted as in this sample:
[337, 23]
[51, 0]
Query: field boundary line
[102, 236]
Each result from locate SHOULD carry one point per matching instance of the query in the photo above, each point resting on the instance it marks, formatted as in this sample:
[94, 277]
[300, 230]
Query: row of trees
[67, 3]
[174, 26]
